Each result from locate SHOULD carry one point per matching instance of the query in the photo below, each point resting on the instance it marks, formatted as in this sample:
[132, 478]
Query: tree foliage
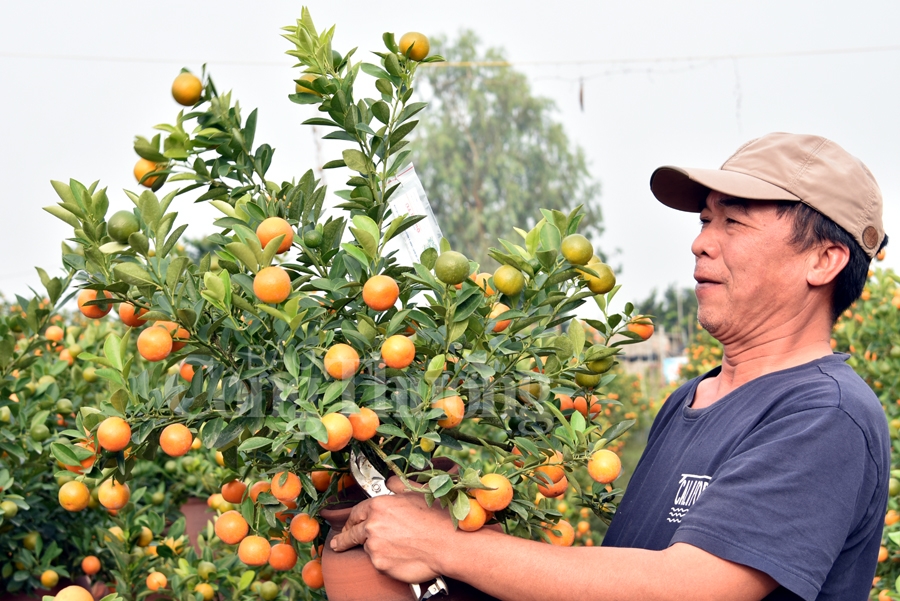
[490, 152]
[675, 310]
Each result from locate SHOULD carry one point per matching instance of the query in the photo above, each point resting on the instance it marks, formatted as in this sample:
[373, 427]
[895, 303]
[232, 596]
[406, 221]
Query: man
[765, 478]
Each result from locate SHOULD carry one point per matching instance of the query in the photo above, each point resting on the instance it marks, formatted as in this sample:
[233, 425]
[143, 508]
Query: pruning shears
[374, 484]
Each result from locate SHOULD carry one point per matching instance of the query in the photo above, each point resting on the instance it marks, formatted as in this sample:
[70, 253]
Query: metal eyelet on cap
[870, 237]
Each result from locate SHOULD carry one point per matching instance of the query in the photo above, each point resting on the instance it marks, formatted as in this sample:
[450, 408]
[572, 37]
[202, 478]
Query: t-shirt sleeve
[785, 502]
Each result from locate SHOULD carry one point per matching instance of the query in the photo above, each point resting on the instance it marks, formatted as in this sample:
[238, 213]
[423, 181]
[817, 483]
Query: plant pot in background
[196, 515]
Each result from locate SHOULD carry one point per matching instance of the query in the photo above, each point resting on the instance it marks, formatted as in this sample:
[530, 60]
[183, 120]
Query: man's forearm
[511, 568]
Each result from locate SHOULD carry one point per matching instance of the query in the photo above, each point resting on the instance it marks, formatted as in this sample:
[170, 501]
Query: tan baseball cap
[780, 166]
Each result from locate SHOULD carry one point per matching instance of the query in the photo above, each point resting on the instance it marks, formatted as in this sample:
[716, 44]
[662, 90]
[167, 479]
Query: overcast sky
[681, 83]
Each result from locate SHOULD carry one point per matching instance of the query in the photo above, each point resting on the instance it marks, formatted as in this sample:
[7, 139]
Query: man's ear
[826, 262]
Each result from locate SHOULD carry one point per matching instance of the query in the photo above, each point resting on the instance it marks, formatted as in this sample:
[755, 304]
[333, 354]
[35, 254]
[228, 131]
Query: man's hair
[811, 228]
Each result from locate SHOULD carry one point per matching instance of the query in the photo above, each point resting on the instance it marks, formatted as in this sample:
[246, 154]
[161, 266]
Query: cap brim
[687, 189]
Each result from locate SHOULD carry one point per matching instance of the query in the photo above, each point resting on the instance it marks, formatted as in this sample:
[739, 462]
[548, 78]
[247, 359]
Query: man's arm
[413, 543]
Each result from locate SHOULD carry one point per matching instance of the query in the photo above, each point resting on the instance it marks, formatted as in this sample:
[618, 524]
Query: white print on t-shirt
[689, 489]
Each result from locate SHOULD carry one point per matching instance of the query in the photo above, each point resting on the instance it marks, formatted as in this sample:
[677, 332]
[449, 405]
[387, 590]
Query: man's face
[749, 277]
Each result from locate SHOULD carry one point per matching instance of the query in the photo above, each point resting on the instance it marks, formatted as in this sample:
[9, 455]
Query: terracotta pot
[196, 515]
[350, 576]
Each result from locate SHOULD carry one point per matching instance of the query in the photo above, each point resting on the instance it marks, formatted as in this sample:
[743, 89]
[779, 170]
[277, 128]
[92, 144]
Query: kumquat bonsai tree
[304, 335]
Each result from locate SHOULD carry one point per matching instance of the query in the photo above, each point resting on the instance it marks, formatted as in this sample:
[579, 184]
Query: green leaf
[598, 351]
[320, 121]
[366, 241]
[382, 111]
[576, 335]
[214, 286]
[133, 274]
[356, 160]
[61, 213]
[271, 249]
[246, 580]
[292, 361]
[244, 254]
[460, 508]
[400, 132]
[428, 258]
[273, 312]
[391, 430]
[140, 243]
[112, 352]
[550, 237]
[384, 86]
[533, 238]
[150, 209]
[440, 485]
[366, 223]
[355, 252]
[410, 110]
[174, 270]
[170, 241]
[64, 454]
[392, 65]
[577, 421]
[560, 221]
[618, 429]
[148, 150]
[375, 71]
[457, 329]
[389, 42]
[112, 247]
[256, 442]
[333, 392]
[63, 191]
[7, 350]
[562, 276]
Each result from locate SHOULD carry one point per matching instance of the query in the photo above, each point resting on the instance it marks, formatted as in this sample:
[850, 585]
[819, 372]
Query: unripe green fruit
[30, 541]
[312, 239]
[601, 366]
[40, 433]
[587, 380]
[451, 267]
[121, 225]
[268, 590]
[205, 569]
[9, 509]
[90, 374]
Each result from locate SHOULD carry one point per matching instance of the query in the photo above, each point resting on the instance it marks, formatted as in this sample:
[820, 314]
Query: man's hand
[399, 532]
[412, 542]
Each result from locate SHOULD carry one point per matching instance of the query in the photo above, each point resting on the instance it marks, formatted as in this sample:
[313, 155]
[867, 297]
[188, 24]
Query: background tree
[490, 153]
[675, 310]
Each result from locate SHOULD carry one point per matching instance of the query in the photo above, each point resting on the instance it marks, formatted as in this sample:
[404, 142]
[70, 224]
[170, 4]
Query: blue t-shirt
[787, 474]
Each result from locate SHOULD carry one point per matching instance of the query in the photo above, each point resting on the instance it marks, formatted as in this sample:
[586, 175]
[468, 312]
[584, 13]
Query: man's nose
[704, 243]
